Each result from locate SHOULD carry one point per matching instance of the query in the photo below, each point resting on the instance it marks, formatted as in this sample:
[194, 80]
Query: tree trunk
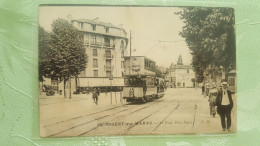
[57, 86]
[76, 83]
[70, 87]
[64, 81]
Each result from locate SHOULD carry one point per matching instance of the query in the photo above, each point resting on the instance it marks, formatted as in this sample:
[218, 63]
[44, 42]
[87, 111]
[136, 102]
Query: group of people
[222, 99]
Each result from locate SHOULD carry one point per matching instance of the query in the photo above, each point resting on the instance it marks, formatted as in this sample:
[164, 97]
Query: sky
[154, 30]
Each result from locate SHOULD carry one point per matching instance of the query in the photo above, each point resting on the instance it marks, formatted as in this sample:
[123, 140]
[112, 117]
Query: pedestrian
[203, 89]
[95, 95]
[212, 101]
[207, 89]
[224, 103]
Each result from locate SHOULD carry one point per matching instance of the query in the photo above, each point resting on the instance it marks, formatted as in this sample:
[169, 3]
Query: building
[105, 46]
[180, 76]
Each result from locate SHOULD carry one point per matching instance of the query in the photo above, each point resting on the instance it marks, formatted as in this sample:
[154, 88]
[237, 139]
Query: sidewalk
[204, 121]
[57, 108]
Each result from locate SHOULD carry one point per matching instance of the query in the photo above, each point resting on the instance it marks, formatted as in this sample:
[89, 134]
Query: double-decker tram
[141, 84]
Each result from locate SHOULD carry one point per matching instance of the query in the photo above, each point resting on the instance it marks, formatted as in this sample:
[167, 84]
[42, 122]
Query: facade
[105, 46]
[180, 76]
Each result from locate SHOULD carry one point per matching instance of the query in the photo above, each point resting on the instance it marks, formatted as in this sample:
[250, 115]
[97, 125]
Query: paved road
[183, 111]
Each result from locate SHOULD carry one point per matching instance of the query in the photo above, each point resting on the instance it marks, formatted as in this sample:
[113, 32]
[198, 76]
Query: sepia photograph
[136, 70]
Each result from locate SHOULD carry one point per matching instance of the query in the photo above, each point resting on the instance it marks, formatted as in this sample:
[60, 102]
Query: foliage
[159, 72]
[210, 36]
[62, 54]
[67, 52]
[179, 62]
[44, 55]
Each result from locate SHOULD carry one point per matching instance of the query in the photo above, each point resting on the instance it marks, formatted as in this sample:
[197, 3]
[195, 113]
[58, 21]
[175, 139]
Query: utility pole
[130, 44]
[130, 71]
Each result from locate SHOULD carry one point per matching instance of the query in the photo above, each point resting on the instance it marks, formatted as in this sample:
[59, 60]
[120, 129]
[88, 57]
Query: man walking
[95, 95]
[203, 89]
[225, 104]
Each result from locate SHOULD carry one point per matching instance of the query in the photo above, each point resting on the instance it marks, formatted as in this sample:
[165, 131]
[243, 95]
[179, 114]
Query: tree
[210, 36]
[44, 56]
[68, 56]
[179, 62]
[158, 72]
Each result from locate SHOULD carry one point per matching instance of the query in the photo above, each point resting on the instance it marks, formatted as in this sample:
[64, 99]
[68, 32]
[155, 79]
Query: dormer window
[107, 29]
[94, 27]
[81, 25]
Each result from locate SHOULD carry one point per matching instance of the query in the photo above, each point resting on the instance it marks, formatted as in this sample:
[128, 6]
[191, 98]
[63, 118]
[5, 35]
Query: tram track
[130, 127]
[120, 117]
[178, 105]
[82, 116]
[96, 119]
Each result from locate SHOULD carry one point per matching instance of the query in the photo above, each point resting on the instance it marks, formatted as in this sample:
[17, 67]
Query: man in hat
[225, 104]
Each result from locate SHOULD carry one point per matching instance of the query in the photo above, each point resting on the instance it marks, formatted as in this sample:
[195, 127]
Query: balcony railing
[108, 67]
[96, 43]
[108, 56]
[122, 47]
[105, 44]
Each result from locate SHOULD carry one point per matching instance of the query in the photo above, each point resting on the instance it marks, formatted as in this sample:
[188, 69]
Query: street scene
[180, 111]
[136, 70]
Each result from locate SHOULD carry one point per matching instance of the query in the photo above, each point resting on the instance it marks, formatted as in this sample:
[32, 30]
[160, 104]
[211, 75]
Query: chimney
[96, 20]
[69, 18]
[120, 25]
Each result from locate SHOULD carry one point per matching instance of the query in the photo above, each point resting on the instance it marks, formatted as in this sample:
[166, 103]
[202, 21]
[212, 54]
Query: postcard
[136, 70]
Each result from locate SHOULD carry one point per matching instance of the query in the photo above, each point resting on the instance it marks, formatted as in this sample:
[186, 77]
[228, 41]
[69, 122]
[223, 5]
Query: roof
[97, 22]
[140, 57]
[182, 67]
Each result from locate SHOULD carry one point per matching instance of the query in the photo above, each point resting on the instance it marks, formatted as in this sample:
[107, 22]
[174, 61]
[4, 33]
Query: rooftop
[182, 67]
[97, 22]
[140, 57]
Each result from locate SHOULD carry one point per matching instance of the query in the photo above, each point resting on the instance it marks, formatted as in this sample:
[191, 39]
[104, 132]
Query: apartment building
[105, 46]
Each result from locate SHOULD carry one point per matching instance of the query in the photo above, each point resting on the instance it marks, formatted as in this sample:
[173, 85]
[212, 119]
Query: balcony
[106, 44]
[99, 44]
[122, 47]
[108, 56]
[108, 67]
[95, 43]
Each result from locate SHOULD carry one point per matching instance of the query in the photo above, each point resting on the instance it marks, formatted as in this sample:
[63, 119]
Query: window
[107, 29]
[108, 64]
[122, 64]
[231, 82]
[94, 40]
[95, 52]
[108, 53]
[95, 73]
[122, 45]
[108, 73]
[188, 71]
[82, 74]
[106, 41]
[95, 63]
[122, 54]
[94, 27]
[80, 24]
[145, 60]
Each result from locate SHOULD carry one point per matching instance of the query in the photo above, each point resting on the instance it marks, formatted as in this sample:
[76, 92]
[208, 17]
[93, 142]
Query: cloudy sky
[155, 30]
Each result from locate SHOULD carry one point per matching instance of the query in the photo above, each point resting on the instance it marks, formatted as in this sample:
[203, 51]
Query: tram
[143, 88]
[141, 84]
